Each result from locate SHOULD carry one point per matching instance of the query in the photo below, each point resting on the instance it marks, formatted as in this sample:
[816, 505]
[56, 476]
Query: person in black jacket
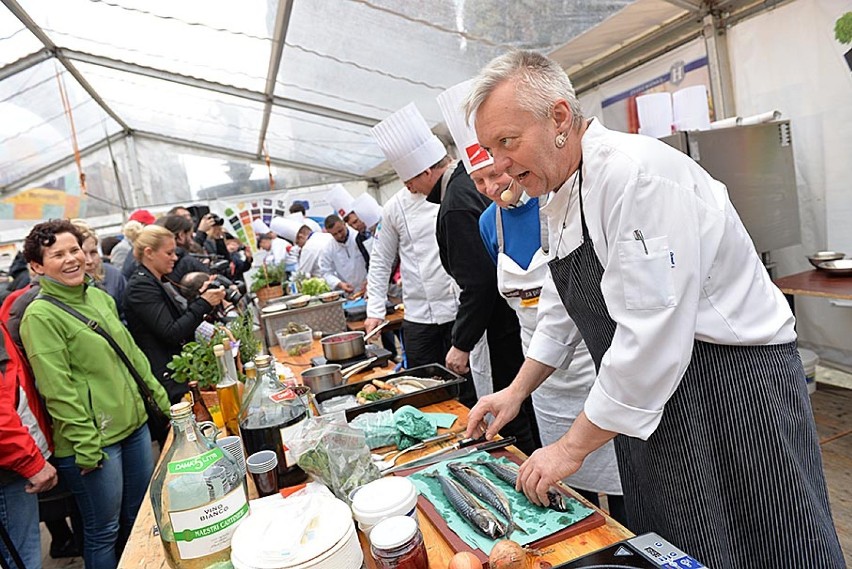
[182, 230]
[481, 309]
[154, 314]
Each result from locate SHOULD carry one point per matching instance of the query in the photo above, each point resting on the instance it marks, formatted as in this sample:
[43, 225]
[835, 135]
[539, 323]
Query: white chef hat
[286, 228]
[259, 227]
[367, 209]
[340, 200]
[472, 154]
[407, 142]
[301, 219]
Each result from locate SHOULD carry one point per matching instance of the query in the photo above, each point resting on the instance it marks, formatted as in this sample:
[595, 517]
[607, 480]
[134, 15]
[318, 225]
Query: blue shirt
[521, 232]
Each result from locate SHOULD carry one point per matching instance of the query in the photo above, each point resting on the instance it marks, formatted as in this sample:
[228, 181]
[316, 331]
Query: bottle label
[208, 529]
[196, 464]
[283, 395]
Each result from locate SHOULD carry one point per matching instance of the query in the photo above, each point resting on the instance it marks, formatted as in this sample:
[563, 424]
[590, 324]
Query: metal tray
[448, 390]
[842, 267]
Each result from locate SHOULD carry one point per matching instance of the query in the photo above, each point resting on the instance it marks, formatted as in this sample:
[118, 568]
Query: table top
[144, 548]
[816, 283]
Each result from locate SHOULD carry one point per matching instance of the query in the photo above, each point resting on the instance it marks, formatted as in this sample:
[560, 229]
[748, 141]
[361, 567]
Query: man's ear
[562, 115]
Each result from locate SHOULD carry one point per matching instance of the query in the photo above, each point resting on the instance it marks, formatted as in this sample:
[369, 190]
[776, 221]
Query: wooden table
[144, 548]
[814, 283]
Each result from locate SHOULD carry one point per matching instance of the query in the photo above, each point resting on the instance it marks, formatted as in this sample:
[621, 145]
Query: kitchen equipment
[840, 268]
[448, 388]
[331, 296]
[343, 346]
[328, 376]
[457, 450]
[372, 350]
[322, 317]
[824, 256]
[646, 551]
[388, 460]
[375, 330]
[299, 302]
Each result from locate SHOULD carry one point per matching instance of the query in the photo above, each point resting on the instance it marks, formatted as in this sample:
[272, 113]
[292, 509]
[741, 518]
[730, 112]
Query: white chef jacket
[343, 262]
[407, 228]
[277, 253]
[699, 279]
[309, 258]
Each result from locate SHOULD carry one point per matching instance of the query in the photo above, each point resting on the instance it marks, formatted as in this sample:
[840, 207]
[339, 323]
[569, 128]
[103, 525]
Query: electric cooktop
[647, 551]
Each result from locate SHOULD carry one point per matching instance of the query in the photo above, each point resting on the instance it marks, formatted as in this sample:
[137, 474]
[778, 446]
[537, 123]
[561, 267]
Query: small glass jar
[396, 543]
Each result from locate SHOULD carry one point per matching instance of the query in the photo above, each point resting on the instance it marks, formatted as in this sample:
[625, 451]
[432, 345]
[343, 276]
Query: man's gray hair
[540, 83]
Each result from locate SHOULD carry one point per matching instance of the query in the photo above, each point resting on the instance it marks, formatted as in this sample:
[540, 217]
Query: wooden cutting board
[457, 544]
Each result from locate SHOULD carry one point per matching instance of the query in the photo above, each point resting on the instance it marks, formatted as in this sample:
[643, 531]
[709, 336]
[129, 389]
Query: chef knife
[453, 451]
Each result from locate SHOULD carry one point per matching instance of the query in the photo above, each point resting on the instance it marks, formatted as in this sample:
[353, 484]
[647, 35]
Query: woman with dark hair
[102, 444]
[158, 317]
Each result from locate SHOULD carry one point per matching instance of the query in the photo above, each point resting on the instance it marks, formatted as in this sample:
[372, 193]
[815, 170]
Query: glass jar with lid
[396, 543]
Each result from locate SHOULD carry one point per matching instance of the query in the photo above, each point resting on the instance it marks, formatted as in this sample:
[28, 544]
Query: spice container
[396, 543]
[381, 499]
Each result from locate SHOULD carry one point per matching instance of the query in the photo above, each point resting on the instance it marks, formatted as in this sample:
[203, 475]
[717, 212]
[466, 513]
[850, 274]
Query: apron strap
[580, 193]
[500, 247]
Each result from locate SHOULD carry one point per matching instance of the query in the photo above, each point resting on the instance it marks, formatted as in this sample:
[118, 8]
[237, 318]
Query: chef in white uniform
[342, 265]
[308, 236]
[278, 248]
[521, 272]
[699, 380]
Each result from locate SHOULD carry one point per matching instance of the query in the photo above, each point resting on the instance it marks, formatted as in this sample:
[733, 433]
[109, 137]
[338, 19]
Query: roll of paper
[761, 118]
[655, 114]
[726, 123]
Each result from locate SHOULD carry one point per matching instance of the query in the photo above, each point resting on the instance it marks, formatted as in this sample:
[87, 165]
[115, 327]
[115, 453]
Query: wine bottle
[228, 390]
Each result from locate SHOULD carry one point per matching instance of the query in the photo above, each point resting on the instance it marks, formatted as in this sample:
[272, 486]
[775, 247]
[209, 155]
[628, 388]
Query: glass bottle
[199, 407]
[397, 543]
[198, 497]
[250, 371]
[270, 415]
[228, 390]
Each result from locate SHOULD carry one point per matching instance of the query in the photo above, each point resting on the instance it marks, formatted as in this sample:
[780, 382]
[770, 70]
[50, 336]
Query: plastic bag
[335, 454]
[379, 428]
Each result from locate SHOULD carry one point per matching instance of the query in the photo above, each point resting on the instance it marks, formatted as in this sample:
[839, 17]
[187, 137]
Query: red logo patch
[476, 154]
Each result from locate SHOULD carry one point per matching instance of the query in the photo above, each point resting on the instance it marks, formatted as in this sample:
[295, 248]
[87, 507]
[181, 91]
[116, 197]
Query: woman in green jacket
[102, 445]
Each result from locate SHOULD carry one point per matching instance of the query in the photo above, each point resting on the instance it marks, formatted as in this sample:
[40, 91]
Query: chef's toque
[451, 101]
[407, 142]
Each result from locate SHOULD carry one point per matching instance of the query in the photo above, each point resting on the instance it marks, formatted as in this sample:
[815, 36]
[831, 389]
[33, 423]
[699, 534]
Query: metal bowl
[824, 256]
[842, 267]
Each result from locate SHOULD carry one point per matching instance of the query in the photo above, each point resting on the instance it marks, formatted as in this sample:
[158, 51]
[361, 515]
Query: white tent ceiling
[301, 81]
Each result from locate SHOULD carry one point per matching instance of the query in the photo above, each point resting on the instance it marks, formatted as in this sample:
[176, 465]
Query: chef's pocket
[647, 275]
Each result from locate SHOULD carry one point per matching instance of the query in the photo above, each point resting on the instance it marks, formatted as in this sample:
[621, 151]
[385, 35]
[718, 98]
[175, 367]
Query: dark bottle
[269, 417]
[199, 407]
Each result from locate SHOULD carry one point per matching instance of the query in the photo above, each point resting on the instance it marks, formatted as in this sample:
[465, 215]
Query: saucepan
[347, 345]
[328, 376]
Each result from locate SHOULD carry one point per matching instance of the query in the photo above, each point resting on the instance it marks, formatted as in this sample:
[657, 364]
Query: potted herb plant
[268, 282]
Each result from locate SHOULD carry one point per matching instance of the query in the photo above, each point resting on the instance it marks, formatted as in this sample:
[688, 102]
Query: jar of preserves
[396, 543]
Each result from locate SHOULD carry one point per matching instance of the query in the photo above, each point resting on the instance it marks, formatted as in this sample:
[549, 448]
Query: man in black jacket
[463, 256]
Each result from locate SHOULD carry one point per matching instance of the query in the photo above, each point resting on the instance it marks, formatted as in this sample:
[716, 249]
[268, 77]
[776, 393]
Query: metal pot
[328, 376]
[343, 346]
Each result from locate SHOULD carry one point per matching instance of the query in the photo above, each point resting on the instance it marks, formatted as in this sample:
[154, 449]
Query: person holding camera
[153, 306]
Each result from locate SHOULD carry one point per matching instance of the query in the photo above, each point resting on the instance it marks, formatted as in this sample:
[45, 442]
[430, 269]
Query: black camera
[216, 219]
[231, 295]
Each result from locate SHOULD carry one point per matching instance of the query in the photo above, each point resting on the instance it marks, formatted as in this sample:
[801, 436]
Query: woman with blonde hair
[123, 249]
[160, 319]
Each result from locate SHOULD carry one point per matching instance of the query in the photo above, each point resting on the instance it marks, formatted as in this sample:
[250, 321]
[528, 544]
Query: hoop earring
[560, 140]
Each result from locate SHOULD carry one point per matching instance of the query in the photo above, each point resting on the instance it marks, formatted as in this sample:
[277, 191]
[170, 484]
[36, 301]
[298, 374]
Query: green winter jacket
[91, 397]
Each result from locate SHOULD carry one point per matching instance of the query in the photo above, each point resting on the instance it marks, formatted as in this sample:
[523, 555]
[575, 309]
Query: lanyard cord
[567, 207]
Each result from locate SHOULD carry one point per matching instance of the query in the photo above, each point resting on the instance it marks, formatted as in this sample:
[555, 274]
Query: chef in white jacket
[342, 265]
[407, 231]
[306, 234]
[699, 380]
[521, 272]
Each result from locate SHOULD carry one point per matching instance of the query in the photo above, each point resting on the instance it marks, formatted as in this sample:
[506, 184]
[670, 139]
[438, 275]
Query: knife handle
[496, 444]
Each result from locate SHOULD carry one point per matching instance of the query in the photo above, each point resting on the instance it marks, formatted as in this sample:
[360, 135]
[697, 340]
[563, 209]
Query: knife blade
[450, 453]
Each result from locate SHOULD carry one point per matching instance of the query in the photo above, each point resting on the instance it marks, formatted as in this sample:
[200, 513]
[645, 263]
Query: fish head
[490, 525]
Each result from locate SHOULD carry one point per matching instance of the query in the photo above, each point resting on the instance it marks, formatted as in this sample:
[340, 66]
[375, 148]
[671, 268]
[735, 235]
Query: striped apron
[733, 474]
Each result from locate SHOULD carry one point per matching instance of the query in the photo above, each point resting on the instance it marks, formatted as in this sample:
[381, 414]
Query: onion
[507, 554]
[465, 560]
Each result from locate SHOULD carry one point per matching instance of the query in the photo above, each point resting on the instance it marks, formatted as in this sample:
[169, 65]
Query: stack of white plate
[304, 532]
